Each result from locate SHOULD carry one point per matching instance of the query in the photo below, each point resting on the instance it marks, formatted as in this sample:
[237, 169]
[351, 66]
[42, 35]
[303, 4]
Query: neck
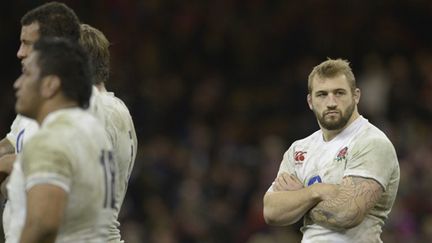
[50, 107]
[101, 87]
[330, 134]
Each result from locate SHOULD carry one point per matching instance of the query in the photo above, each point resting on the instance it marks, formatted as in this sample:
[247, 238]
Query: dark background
[217, 90]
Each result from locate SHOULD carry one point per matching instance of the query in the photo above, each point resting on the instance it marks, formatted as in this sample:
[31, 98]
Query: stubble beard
[338, 122]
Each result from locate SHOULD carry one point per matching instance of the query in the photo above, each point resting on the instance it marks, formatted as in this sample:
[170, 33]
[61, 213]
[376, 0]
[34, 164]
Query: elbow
[350, 224]
[40, 232]
[348, 220]
[269, 216]
[337, 221]
[273, 216]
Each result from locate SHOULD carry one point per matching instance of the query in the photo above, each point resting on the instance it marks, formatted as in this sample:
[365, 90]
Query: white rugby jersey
[71, 151]
[22, 129]
[116, 119]
[359, 150]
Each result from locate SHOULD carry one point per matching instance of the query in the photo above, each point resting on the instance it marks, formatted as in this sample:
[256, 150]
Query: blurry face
[27, 88]
[29, 35]
[332, 101]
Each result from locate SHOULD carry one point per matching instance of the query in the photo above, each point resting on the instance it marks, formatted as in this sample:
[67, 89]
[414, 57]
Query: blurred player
[342, 179]
[62, 184]
[48, 20]
[111, 110]
[113, 113]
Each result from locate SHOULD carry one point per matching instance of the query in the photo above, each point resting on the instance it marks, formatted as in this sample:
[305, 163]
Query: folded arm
[289, 201]
[355, 197]
[287, 207]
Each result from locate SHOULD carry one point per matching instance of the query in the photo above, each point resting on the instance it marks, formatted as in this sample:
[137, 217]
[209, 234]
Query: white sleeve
[14, 130]
[373, 158]
[286, 165]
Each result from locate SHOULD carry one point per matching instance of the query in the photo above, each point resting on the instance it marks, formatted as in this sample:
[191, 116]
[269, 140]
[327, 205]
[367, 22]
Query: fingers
[276, 187]
[282, 180]
[279, 184]
[286, 178]
[287, 182]
[293, 177]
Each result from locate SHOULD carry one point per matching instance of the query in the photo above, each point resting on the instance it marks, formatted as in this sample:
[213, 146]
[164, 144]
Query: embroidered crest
[342, 154]
[299, 157]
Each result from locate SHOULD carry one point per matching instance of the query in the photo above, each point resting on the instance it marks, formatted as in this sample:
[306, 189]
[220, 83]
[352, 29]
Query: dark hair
[69, 62]
[55, 20]
[96, 45]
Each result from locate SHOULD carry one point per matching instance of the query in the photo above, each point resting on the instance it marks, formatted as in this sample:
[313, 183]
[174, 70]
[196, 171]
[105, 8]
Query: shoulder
[373, 142]
[68, 119]
[372, 136]
[22, 122]
[303, 144]
[70, 125]
[314, 137]
[45, 146]
[112, 111]
[110, 103]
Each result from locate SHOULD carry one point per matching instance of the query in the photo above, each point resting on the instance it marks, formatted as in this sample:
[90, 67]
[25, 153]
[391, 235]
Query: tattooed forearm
[356, 196]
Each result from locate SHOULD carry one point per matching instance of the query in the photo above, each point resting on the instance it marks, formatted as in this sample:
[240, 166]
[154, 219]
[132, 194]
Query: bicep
[360, 194]
[45, 205]
[355, 198]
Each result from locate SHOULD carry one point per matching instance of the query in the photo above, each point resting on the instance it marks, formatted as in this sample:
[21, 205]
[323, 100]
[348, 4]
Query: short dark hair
[96, 45]
[55, 20]
[69, 62]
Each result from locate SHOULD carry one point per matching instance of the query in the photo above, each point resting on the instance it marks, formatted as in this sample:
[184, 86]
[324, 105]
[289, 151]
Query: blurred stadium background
[217, 91]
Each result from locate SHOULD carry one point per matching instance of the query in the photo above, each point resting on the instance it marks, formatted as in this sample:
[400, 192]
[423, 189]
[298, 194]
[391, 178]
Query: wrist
[315, 193]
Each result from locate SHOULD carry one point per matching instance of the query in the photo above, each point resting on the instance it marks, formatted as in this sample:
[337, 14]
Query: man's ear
[50, 86]
[357, 95]
[309, 101]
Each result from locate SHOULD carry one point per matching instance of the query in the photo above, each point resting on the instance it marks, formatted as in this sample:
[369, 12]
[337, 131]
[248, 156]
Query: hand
[287, 182]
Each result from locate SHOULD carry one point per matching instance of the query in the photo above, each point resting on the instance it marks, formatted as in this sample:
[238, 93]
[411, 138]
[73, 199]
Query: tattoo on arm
[355, 198]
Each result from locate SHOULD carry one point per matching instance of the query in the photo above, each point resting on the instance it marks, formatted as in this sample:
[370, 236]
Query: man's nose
[331, 100]
[22, 52]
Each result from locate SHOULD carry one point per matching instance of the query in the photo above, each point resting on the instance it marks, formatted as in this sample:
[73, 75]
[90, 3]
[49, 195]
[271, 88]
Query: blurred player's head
[48, 20]
[333, 95]
[57, 73]
[96, 45]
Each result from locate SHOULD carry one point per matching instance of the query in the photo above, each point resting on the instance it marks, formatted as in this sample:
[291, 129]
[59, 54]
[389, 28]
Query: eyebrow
[330, 91]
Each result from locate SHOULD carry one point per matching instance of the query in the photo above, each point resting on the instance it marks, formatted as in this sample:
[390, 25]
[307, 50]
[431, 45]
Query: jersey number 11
[108, 165]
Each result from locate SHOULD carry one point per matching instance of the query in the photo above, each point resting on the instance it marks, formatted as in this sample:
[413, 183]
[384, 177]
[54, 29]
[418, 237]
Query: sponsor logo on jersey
[299, 157]
[341, 154]
[314, 179]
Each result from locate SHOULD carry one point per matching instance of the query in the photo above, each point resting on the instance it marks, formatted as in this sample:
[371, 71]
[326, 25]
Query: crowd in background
[217, 90]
